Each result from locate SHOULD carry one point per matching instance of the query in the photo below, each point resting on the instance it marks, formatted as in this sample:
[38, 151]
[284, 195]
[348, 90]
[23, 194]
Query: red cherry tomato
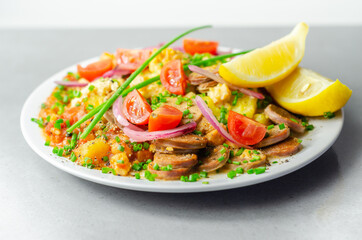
[245, 130]
[193, 46]
[96, 69]
[136, 109]
[173, 77]
[163, 118]
[131, 59]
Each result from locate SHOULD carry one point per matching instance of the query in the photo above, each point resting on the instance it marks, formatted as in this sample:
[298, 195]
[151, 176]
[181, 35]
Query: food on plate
[172, 113]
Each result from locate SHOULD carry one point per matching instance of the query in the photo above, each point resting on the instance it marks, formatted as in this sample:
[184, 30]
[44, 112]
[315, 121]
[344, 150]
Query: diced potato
[245, 105]
[95, 149]
[214, 138]
[120, 163]
[212, 106]
[262, 118]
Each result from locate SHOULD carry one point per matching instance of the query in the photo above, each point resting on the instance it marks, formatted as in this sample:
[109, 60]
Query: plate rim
[147, 186]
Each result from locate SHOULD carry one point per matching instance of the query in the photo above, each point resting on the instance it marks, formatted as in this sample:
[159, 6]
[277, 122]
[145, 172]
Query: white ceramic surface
[315, 143]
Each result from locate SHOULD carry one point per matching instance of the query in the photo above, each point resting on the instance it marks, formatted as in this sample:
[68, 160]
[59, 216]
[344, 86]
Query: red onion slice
[142, 136]
[206, 111]
[71, 83]
[116, 72]
[121, 119]
[218, 79]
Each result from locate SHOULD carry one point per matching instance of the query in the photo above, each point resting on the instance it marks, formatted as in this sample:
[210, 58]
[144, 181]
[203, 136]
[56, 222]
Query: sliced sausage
[279, 115]
[285, 148]
[248, 159]
[188, 141]
[197, 79]
[275, 135]
[212, 162]
[176, 160]
[172, 150]
[174, 174]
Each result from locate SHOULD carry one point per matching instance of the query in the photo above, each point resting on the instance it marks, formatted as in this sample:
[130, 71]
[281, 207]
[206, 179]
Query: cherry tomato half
[163, 118]
[193, 46]
[173, 77]
[131, 59]
[245, 130]
[136, 109]
[94, 70]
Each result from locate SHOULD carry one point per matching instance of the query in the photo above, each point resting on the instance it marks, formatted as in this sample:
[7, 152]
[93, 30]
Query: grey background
[37, 201]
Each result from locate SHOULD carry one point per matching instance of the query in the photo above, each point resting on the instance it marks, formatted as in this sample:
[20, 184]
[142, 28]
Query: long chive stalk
[119, 91]
[149, 81]
[85, 118]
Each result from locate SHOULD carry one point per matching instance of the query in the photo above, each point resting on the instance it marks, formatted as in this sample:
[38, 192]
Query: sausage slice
[215, 160]
[275, 135]
[279, 115]
[174, 174]
[188, 141]
[176, 160]
[247, 160]
[285, 148]
[171, 150]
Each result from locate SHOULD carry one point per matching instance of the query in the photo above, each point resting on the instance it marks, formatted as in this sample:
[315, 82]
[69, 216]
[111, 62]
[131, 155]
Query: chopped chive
[223, 150]
[67, 123]
[203, 174]
[47, 143]
[55, 150]
[73, 157]
[120, 148]
[231, 174]
[205, 182]
[60, 152]
[239, 170]
[186, 112]
[117, 139]
[231, 153]
[250, 171]
[270, 127]
[146, 145]
[225, 145]
[120, 161]
[300, 140]
[105, 159]
[256, 152]
[198, 132]
[328, 115]
[294, 120]
[91, 87]
[220, 159]
[275, 162]
[260, 170]
[239, 152]
[90, 107]
[236, 162]
[156, 167]
[245, 161]
[281, 126]
[108, 170]
[310, 127]
[190, 116]
[137, 175]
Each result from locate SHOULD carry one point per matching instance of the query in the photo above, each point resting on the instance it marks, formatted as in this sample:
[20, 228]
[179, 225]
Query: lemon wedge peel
[267, 65]
[328, 96]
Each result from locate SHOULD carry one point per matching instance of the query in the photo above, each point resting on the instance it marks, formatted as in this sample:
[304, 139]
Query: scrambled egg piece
[219, 94]
[164, 57]
[102, 88]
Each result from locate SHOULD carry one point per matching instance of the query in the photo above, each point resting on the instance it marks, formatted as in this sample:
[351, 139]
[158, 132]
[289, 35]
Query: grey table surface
[37, 201]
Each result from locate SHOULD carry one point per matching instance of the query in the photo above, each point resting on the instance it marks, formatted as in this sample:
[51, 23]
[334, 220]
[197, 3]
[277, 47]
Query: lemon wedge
[267, 65]
[308, 93]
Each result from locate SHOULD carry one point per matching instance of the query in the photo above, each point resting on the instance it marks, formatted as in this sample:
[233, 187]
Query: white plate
[315, 143]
